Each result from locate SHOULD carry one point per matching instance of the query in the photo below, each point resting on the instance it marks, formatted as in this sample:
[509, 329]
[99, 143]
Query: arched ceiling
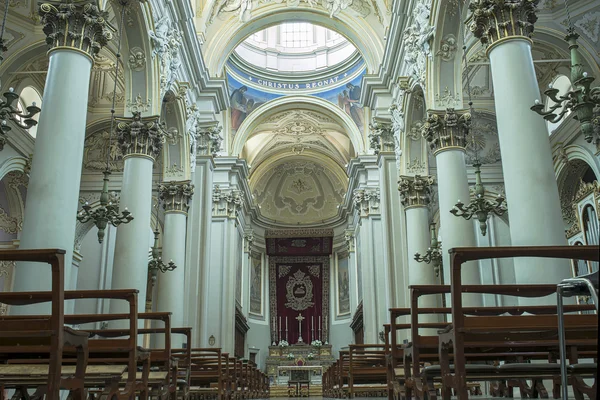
[293, 132]
[298, 160]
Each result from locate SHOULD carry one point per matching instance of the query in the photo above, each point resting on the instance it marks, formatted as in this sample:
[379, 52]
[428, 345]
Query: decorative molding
[248, 240]
[140, 136]
[96, 150]
[176, 196]
[416, 38]
[10, 225]
[585, 189]
[208, 138]
[447, 99]
[366, 201]
[381, 137]
[416, 166]
[138, 105]
[493, 20]
[82, 26]
[226, 202]
[167, 40]
[448, 47]
[298, 233]
[415, 190]
[349, 239]
[137, 59]
[448, 128]
[590, 25]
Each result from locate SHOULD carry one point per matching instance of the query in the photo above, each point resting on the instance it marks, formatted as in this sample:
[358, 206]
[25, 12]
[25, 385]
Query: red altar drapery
[299, 288]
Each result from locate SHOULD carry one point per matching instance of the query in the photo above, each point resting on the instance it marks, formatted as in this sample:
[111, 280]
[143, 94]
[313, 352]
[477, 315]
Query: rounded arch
[13, 164]
[362, 35]
[294, 102]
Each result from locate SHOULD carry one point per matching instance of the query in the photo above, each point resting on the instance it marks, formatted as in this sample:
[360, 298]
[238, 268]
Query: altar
[300, 362]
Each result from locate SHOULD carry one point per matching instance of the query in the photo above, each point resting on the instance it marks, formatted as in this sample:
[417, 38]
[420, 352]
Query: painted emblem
[299, 292]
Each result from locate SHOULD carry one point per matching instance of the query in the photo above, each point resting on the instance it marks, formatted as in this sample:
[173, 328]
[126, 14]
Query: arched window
[27, 97]
[563, 84]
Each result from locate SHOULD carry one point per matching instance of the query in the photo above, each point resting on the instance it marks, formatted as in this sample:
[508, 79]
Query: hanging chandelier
[156, 264]
[583, 100]
[108, 211]
[433, 255]
[479, 207]
[9, 105]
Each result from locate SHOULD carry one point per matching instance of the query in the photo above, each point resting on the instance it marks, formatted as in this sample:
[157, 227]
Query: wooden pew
[367, 372]
[48, 335]
[535, 333]
[184, 362]
[210, 374]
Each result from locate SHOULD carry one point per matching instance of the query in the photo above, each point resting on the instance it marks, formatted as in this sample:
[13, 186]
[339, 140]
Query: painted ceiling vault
[297, 160]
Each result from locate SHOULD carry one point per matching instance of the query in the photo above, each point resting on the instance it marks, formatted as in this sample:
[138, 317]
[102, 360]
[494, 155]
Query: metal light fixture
[582, 100]
[433, 255]
[479, 207]
[108, 211]
[8, 111]
[156, 263]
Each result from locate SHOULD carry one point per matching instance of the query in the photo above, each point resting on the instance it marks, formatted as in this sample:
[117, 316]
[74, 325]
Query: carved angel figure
[336, 6]
[242, 7]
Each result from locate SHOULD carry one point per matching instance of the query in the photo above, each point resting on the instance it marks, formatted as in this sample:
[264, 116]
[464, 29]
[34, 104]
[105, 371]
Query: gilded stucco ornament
[227, 202]
[366, 201]
[415, 190]
[139, 135]
[167, 40]
[208, 138]
[176, 196]
[447, 129]
[137, 59]
[80, 25]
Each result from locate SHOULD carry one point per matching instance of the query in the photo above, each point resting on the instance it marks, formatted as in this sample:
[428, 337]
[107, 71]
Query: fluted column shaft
[140, 140]
[535, 216]
[53, 192]
[175, 197]
[446, 133]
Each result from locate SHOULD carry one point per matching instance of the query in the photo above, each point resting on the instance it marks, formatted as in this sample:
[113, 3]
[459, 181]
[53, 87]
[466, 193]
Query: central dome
[295, 48]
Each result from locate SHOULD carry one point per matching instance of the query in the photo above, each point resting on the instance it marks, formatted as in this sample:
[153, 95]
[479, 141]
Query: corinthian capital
[381, 136]
[366, 201]
[493, 20]
[447, 129]
[176, 196]
[227, 202]
[140, 136]
[415, 190]
[80, 25]
[208, 138]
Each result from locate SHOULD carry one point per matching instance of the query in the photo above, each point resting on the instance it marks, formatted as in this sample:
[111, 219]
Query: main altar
[297, 370]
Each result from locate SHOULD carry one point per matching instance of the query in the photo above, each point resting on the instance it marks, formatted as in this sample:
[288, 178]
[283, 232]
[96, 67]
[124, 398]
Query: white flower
[283, 343]
[316, 343]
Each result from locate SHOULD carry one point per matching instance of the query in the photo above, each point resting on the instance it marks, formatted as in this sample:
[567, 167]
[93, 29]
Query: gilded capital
[366, 201]
[176, 196]
[140, 136]
[79, 25]
[494, 20]
[415, 190]
[447, 129]
[381, 136]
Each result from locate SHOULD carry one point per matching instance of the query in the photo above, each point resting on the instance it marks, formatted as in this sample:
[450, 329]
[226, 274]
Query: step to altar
[284, 391]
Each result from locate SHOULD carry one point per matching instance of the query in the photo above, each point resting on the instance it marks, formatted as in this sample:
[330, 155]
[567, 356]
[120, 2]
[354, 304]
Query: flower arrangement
[310, 356]
[290, 356]
[316, 343]
[283, 343]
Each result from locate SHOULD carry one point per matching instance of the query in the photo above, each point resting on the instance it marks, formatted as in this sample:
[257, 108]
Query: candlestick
[286, 326]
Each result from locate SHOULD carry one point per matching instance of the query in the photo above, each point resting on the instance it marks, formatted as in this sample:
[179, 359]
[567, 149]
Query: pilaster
[381, 136]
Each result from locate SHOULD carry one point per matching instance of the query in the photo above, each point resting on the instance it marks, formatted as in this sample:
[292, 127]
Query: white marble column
[446, 133]
[175, 197]
[535, 216]
[53, 192]
[415, 193]
[141, 141]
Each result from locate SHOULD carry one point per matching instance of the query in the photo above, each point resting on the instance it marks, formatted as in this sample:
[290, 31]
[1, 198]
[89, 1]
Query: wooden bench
[211, 375]
[45, 336]
[114, 352]
[507, 335]
[367, 372]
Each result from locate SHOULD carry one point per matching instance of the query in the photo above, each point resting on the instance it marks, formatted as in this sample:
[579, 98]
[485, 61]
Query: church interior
[242, 199]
